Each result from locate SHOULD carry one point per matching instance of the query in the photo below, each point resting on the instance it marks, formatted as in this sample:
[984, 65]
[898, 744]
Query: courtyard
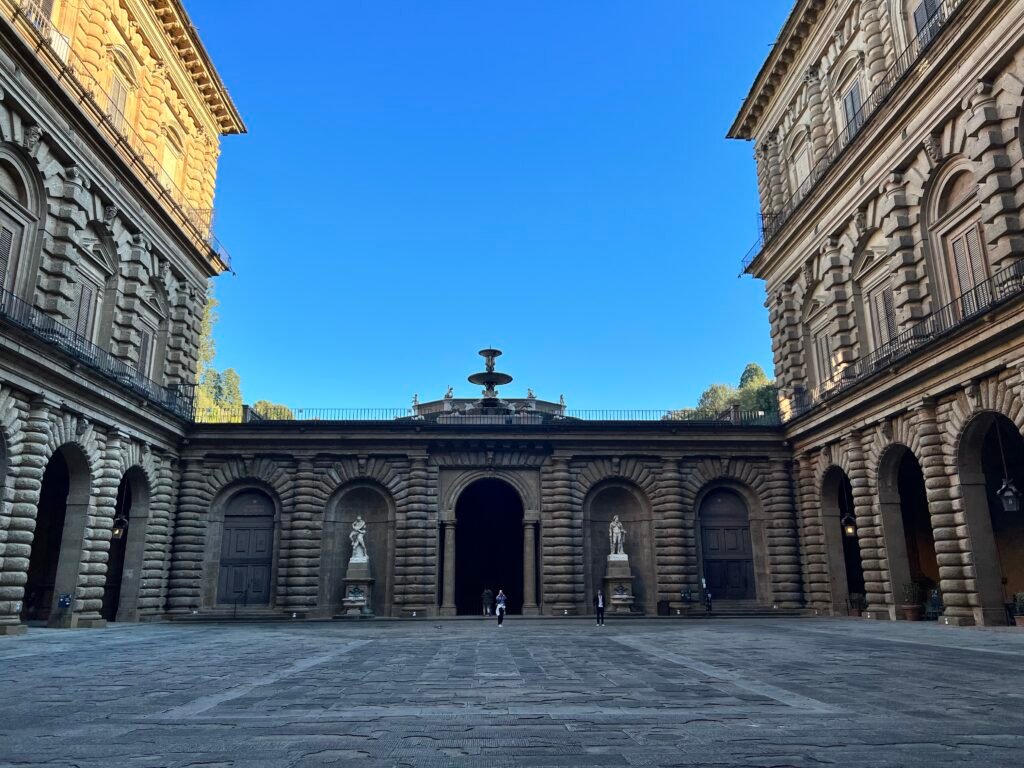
[537, 692]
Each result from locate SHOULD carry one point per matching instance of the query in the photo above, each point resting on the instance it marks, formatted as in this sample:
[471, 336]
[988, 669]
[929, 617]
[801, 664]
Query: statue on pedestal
[358, 539]
[617, 536]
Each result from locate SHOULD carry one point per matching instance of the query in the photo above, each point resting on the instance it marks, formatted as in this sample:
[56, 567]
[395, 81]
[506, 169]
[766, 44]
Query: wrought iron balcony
[772, 222]
[29, 17]
[1005, 286]
[176, 400]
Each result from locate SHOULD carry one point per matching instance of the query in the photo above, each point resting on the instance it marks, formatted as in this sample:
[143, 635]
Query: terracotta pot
[1019, 621]
[912, 612]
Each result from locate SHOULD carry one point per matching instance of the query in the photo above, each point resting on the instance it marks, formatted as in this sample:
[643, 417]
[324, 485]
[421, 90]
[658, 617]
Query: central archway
[489, 542]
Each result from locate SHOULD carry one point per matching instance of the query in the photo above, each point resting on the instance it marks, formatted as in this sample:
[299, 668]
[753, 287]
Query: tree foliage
[268, 410]
[754, 393]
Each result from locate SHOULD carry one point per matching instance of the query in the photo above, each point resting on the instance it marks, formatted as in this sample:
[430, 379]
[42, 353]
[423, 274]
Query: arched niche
[906, 526]
[727, 551]
[59, 536]
[990, 451]
[127, 554]
[603, 502]
[241, 552]
[377, 508]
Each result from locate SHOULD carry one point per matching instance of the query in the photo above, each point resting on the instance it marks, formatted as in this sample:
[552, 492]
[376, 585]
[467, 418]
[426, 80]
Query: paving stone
[539, 693]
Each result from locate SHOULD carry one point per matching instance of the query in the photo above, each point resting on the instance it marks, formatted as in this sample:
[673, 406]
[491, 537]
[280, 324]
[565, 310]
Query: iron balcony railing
[248, 414]
[1007, 284]
[773, 221]
[95, 98]
[176, 400]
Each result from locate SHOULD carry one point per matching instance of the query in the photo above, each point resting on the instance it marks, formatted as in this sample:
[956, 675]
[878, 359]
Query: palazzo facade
[889, 164]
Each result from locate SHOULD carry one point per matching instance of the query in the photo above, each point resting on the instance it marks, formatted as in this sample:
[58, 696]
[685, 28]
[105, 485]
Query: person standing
[487, 598]
[599, 607]
[500, 607]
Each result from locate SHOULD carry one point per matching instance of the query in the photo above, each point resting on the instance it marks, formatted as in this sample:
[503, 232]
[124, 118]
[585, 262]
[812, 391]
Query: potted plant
[911, 606]
[1018, 609]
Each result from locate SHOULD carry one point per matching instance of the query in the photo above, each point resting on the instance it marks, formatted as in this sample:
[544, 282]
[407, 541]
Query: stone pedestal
[618, 584]
[358, 589]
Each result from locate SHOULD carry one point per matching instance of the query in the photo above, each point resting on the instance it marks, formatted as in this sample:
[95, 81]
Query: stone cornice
[184, 39]
[776, 67]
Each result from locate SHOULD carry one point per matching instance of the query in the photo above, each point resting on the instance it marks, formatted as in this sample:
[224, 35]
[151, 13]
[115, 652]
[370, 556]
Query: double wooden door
[247, 551]
[725, 547]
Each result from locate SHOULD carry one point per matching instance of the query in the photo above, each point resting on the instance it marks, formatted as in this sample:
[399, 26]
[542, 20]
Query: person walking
[487, 598]
[500, 607]
[599, 607]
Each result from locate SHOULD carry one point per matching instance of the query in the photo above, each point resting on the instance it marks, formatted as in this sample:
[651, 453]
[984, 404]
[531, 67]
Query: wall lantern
[120, 527]
[849, 525]
[1008, 494]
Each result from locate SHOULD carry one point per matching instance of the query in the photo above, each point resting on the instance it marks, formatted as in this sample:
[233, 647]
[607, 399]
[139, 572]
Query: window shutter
[47, 8]
[84, 311]
[823, 353]
[851, 107]
[145, 345]
[961, 265]
[6, 243]
[118, 101]
[976, 256]
[889, 307]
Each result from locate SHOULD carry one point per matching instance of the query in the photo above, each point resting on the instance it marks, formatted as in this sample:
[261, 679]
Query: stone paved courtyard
[797, 692]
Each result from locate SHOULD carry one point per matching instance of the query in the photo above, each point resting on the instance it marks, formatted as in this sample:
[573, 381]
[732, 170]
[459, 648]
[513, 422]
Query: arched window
[956, 236]
[798, 156]
[849, 91]
[18, 216]
[93, 283]
[122, 83]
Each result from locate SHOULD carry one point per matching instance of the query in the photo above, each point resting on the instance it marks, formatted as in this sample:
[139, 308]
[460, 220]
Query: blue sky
[424, 179]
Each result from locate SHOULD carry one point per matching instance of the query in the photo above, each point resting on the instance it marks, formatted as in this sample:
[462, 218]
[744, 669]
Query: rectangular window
[882, 306]
[172, 165]
[118, 103]
[85, 311]
[6, 246]
[928, 17]
[823, 355]
[852, 111]
[802, 169]
[969, 268]
[145, 351]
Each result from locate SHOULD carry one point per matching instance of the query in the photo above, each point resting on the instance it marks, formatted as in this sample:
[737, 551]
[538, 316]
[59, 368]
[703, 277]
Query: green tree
[218, 396]
[273, 411]
[716, 398]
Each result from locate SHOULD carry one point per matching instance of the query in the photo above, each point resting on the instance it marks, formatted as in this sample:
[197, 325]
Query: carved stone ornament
[33, 135]
[809, 273]
[860, 221]
[109, 214]
[973, 393]
[886, 429]
[812, 76]
[933, 148]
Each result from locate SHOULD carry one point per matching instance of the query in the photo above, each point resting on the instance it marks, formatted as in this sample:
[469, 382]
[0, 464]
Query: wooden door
[725, 547]
[247, 551]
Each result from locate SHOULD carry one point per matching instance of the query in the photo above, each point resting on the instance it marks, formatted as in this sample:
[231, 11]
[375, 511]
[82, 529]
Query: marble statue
[450, 393]
[617, 536]
[358, 538]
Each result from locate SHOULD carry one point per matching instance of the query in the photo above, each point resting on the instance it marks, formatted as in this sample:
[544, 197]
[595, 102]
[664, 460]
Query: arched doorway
[628, 502]
[247, 550]
[846, 573]
[374, 505]
[489, 545]
[992, 452]
[907, 527]
[59, 536]
[726, 553]
[126, 557]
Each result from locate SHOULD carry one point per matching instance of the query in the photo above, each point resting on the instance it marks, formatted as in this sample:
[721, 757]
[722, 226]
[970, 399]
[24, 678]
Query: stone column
[870, 537]
[988, 145]
[25, 479]
[949, 524]
[157, 561]
[842, 326]
[817, 593]
[448, 599]
[559, 577]
[416, 552]
[301, 571]
[816, 110]
[874, 42]
[899, 215]
[673, 567]
[776, 175]
[530, 568]
[184, 584]
[783, 546]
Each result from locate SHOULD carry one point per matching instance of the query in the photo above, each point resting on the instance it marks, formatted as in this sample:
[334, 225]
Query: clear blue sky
[424, 179]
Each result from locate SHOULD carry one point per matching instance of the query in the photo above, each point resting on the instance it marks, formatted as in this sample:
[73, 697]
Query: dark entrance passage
[247, 550]
[725, 546]
[917, 525]
[59, 533]
[840, 528]
[489, 545]
[118, 546]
